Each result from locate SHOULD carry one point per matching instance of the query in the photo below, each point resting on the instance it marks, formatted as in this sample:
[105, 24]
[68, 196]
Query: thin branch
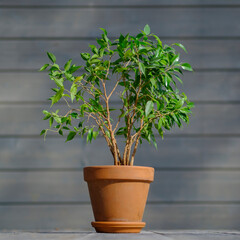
[108, 118]
[136, 144]
[119, 119]
[114, 88]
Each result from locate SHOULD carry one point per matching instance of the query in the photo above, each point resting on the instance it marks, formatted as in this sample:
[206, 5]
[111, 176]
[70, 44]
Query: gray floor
[150, 235]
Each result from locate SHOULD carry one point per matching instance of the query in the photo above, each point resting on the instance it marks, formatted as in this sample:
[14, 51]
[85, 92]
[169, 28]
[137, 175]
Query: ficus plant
[141, 71]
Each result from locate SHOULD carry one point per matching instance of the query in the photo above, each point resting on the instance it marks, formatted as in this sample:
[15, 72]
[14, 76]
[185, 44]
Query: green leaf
[70, 136]
[179, 103]
[175, 59]
[78, 79]
[190, 104]
[147, 29]
[95, 134]
[42, 132]
[74, 68]
[85, 56]
[160, 131]
[178, 78]
[68, 65]
[51, 57]
[74, 115]
[142, 68]
[159, 123]
[90, 135]
[167, 80]
[139, 36]
[181, 46]
[104, 30]
[80, 124]
[59, 82]
[94, 49]
[47, 114]
[44, 67]
[158, 40]
[73, 91]
[57, 119]
[51, 121]
[69, 76]
[58, 96]
[153, 82]
[148, 108]
[186, 66]
[154, 141]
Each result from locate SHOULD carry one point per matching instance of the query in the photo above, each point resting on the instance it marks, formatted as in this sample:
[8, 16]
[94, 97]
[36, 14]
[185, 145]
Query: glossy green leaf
[149, 107]
[44, 67]
[51, 57]
[68, 65]
[175, 59]
[158, 40]
[186, 66]
[179, 103]
[70, 136]
[94, 49]
[42, 132]
[90, 135]
[59, 82]
[85, 56]
[104, 31]
[47, 114]
[73, 91]
[58, 96]
[147, 29]
[142, 68]
[181, 46]
[50, 121]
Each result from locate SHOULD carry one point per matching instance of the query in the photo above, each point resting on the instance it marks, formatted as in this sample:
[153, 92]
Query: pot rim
[113, 172]
[114, 166]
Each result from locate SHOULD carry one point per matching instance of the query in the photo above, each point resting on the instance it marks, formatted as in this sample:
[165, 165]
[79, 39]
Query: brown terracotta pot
[118, 196]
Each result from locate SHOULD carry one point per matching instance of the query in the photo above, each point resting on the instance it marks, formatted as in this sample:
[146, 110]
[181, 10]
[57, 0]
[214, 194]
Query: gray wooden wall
[197, 183]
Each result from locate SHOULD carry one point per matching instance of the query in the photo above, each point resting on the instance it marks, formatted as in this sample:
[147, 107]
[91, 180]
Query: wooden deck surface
[150, 235]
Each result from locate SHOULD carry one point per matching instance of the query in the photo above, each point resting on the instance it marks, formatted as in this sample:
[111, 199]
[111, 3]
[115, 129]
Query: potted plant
[143, 72]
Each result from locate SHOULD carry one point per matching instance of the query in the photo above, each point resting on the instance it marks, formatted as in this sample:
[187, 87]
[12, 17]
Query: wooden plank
[31, 55]
[46, 217]
[192, 216]
[168, 186]
[116, 3]
[54, 153]
[206, 119]
[144, 235]
[211, 86]
[199, 86]
[78, 217]
[51, 235]
[78, 22]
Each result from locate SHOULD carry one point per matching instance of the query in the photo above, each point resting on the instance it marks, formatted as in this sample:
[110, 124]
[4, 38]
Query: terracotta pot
[118, 196]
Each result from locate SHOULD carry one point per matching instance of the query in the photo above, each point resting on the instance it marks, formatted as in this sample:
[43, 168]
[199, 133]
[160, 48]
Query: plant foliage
[145, 71]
